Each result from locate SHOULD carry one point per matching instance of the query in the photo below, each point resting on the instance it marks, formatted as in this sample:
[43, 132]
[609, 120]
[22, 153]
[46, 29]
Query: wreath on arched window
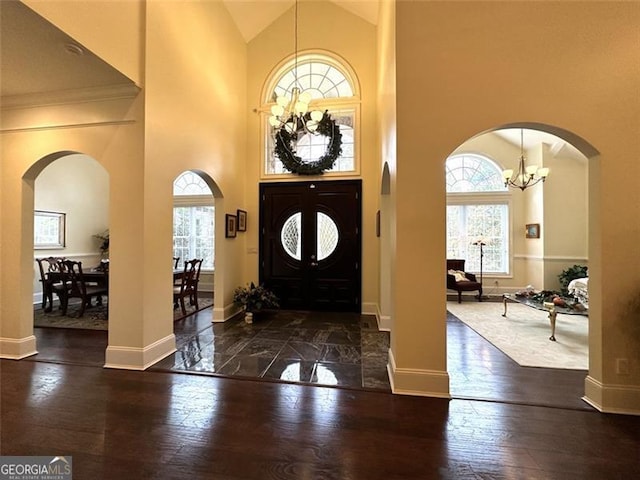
[286, 142]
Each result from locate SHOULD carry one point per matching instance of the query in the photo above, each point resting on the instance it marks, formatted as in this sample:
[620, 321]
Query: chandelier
[292, 113]
[526, 176]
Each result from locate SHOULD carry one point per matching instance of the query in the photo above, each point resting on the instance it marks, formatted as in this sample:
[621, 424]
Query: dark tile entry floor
[341, 349]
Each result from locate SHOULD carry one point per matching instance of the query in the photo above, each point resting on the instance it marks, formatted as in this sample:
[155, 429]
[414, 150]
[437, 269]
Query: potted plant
[254, 298]
[571, 273]
[104, 243]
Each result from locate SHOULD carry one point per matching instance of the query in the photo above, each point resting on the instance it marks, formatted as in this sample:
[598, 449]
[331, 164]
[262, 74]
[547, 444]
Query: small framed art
[242, 221]
[532, 230]
[230, 226]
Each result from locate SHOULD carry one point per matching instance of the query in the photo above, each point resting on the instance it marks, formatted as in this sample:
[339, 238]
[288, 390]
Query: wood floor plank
[162, 426]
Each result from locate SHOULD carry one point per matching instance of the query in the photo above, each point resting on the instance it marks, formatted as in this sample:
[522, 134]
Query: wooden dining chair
[185, 289]
[75, 286]
[175, 262]
[49, 276]
[193, 297]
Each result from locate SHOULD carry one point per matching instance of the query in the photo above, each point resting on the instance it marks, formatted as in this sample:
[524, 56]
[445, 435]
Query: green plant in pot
[571, 273]
[254, 298]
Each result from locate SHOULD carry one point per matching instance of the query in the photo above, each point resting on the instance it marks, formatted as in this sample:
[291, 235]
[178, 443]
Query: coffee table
[549, 307]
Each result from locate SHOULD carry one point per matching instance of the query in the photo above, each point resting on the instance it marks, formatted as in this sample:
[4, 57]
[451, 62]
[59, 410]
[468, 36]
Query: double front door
[310, 246]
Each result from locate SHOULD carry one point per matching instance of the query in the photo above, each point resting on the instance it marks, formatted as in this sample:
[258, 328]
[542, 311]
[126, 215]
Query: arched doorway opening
[498, 358]
[194, 238]
[71, 222]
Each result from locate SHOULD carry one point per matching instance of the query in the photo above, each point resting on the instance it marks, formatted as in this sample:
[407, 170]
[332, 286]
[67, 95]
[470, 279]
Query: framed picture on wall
[532, 230]
[231, 226]
[49, 229]
[242, 221]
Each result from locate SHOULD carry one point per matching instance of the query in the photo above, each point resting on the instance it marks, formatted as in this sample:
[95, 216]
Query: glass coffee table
[549, 307]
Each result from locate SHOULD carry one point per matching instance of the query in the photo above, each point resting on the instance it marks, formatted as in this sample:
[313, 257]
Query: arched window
[331, 88]
[193, 220]
[477, 208]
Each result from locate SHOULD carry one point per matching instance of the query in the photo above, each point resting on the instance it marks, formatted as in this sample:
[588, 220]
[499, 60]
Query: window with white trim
[193, 220]
[477, 207]
[331, 89]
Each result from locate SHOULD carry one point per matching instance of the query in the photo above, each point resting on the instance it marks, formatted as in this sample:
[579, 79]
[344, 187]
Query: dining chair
[74, 286]
[185, 289]
[193, 298]
[175, 262]
[49, 268]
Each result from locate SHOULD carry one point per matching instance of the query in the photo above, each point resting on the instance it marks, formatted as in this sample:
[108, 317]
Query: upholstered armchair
[461, 281]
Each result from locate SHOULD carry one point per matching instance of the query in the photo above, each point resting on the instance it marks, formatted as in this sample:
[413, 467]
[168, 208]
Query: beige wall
[352, 39]
[195, 96]
[537, 71]
[386, 105]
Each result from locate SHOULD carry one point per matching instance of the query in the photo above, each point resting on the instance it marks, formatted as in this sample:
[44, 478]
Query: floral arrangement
[253, 298]
[104, 239]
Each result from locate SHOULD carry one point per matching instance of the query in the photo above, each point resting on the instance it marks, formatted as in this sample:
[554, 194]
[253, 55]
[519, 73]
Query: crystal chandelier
[292, 113]
[526, 176]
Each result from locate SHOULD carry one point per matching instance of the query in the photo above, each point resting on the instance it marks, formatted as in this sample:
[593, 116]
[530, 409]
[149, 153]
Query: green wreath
[286, 143]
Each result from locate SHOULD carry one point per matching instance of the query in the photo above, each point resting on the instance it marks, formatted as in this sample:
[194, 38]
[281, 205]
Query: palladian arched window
[193, 220]
[331, 88]
[477, 208]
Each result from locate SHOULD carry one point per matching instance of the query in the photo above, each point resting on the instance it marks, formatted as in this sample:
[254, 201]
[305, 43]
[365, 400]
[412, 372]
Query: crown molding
[64, 97]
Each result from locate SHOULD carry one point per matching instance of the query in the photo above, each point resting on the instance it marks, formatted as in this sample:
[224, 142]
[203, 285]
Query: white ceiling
[532, 138]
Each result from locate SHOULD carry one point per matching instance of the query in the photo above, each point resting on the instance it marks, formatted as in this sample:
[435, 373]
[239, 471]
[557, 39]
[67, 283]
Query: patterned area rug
[95, 318]
[524, 334]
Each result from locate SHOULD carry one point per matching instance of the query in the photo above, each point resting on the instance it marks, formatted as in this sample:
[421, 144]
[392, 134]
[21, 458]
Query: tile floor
[340, 349]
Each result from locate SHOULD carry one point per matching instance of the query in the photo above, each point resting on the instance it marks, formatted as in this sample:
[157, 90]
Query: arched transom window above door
[333, 88]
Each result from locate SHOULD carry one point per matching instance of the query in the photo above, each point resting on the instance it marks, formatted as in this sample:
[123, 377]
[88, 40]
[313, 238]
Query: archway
[194, 237]
[530, 261]
[71, 205]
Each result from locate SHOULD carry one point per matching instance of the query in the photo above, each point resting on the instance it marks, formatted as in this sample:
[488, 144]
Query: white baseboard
[135, 358]
[611, 398]
[369, 309]
[417, 382]
[18, 348]
[384, 323]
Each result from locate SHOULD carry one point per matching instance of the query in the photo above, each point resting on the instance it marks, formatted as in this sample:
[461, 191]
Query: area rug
[95, 318]
[524, 334]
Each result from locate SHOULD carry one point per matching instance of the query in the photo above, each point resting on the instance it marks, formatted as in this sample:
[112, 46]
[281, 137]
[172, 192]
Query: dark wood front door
[310, 246]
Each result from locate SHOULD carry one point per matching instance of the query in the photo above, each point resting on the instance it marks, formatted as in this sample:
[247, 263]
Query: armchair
[466, 282]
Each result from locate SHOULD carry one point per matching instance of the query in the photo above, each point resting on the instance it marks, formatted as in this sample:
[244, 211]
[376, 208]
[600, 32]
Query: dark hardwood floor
[525, 423]
[118, 424]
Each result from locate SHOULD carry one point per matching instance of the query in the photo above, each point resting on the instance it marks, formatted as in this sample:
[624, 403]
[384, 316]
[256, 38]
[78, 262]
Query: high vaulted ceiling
[253, 16]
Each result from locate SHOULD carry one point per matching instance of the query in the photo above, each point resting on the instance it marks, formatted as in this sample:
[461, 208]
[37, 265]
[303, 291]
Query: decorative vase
[248, 317]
